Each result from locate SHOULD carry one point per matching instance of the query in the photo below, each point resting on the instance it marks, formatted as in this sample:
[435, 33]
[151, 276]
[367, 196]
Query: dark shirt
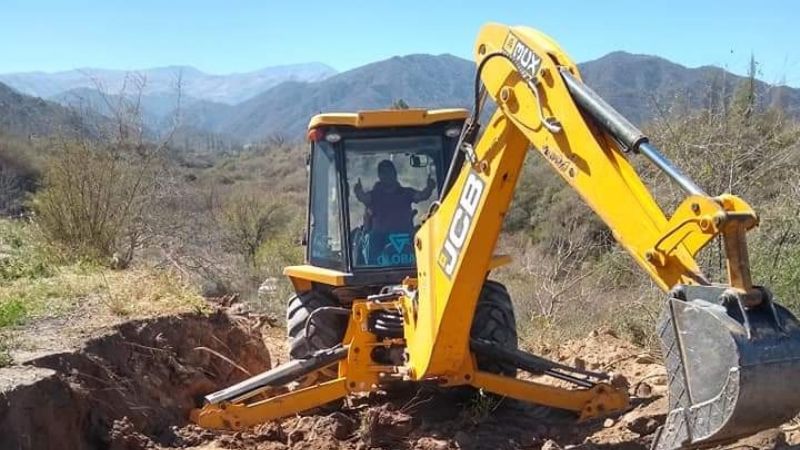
[391, 208]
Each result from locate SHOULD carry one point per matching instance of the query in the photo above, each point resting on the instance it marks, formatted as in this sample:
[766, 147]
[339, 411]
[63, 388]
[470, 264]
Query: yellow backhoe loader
[405, 209]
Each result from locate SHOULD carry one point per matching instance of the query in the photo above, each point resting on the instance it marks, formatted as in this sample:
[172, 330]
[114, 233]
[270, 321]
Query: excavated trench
[130, 388]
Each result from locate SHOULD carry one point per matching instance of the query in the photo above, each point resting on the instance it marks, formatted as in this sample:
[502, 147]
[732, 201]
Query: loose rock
[619, 380]
[643, 390]
[551, 445]
[429, 443]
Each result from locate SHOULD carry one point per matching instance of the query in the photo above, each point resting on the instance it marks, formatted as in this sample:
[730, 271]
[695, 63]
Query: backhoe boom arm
[543, 104]
[724, 345]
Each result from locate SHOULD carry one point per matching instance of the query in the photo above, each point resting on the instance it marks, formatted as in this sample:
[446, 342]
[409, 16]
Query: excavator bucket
[731, 369]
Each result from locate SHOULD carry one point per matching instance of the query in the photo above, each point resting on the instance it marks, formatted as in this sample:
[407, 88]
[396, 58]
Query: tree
[746, 94]
[249, 219]
[97, 195]
[400, 104]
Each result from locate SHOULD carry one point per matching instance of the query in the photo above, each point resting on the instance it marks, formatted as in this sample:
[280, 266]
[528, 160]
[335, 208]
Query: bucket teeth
[727, 367]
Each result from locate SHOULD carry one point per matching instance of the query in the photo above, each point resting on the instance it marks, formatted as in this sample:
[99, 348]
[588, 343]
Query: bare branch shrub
[741, 147]
[95, 199]
[18, 176]
[249, 219]
[97, 195]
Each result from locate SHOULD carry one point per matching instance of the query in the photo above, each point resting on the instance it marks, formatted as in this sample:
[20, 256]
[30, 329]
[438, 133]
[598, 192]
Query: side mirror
[419, 161]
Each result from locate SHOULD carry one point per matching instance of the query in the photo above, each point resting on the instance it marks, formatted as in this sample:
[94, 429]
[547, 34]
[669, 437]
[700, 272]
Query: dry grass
[135, 293]
[37, 285]
[566, 295]
[145, 292]
[25, 299]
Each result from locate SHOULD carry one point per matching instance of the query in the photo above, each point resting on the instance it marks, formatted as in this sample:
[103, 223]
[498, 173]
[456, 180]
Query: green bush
[23, 254]
[95, 199]
[5, 351]
[779, 270]
[277, 252]
[12, 312]
[248, 219]
[18, 175]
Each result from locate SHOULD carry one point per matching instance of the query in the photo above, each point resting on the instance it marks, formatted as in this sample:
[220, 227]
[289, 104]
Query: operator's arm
[363, 197]
[421, 196]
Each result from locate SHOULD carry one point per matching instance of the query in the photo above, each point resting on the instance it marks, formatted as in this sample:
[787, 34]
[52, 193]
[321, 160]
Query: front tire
[324, 330]
[494, 321]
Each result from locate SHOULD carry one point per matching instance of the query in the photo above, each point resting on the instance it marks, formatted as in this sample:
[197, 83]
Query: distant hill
[230, 88]
[419, 80]
[25, 116]
[641, 87]
[159, 111]
[89, 116]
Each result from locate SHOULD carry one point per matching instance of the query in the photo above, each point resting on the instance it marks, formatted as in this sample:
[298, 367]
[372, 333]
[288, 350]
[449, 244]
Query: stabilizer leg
[591, 398]
[237, 416]
[600, 400]
[230, 408]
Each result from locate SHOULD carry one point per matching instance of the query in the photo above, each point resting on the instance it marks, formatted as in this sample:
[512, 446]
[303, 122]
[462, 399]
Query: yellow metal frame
[598, 401]
[587, 160]
[388, 118]
[303, 275]
[454, 246]
[358, 373]
[238, 416]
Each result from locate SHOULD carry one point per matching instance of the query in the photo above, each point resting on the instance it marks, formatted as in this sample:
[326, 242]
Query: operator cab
[374, 176]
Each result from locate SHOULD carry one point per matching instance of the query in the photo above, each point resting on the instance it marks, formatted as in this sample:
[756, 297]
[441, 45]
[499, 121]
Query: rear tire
[494, 321]
[324, 330]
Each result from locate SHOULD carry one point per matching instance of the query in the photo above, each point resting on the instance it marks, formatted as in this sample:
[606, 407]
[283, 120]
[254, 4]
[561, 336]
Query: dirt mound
[128, 389]
[38, 410]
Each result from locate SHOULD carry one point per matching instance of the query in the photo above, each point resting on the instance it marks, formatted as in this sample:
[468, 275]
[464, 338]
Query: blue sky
[236, 36]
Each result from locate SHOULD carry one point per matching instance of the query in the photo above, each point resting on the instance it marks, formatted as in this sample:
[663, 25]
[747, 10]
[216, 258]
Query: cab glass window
[325, 240]
[392, 183]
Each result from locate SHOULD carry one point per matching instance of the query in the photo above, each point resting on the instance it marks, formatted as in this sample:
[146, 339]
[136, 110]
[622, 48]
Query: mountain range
[165, 81]
[419, 80]
[23, 115]
[280, 100]
[645, 87]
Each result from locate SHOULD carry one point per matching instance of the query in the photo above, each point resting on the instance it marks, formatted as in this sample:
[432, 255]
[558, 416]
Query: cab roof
[388, 117]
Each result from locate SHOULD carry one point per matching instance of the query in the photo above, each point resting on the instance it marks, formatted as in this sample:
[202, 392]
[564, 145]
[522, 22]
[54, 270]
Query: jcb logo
[461, 224]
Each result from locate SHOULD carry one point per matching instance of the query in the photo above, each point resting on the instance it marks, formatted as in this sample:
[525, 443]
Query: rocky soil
[131, 387]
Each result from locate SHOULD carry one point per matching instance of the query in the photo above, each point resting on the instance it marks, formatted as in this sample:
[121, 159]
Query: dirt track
[132, 387]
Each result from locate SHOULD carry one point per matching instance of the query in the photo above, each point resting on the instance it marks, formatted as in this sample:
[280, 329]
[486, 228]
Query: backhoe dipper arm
[543, 104]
